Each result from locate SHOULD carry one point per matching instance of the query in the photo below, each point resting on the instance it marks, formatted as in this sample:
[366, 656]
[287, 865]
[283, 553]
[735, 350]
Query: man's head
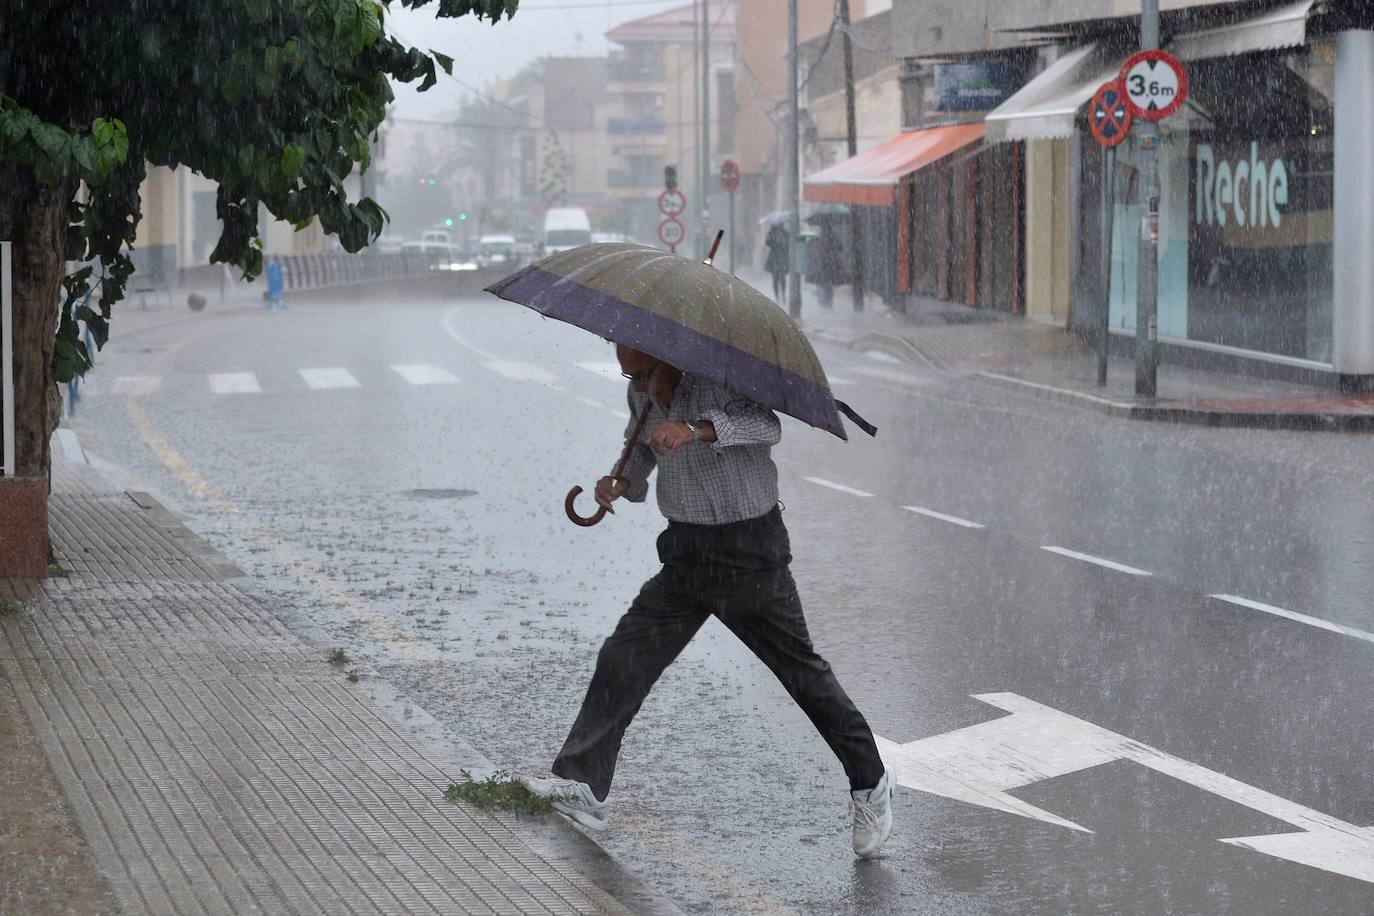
[648, 375]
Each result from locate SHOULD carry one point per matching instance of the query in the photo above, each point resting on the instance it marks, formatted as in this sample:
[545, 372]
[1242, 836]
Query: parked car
[496, 251]
[441, 256]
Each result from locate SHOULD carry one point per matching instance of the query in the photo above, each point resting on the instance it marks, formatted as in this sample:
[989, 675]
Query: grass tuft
[338, 658]
[498, 791]
[353, 676]
[8, 608]
[57, 571]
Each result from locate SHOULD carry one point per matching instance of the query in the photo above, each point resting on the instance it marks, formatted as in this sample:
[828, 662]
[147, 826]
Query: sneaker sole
[573, 813]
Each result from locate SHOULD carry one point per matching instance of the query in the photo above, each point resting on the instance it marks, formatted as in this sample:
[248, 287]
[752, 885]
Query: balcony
[623, 72]
[621, 126]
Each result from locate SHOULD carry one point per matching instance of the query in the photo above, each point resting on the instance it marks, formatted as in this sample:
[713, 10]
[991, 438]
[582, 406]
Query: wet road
[1021, 597]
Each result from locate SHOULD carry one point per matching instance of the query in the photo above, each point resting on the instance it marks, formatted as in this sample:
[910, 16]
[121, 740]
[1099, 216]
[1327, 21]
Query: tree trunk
[34, 218]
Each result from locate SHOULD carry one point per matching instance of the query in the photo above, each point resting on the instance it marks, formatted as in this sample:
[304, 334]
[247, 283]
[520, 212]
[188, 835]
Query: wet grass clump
[56, 571]
[8, 608]
[499, 791]
[338, 658]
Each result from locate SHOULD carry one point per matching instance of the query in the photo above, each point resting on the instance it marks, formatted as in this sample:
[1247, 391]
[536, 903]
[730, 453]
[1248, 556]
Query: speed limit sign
[1155, 83]
[670, 232]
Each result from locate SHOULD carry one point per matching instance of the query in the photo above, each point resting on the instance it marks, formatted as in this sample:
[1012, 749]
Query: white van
[564, 228]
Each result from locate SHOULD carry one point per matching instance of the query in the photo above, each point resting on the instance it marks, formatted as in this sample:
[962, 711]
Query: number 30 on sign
[1156, 84]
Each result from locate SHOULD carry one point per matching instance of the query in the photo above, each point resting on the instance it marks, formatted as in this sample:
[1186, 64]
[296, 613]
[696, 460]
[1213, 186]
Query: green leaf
[444, 61]
[292, 158]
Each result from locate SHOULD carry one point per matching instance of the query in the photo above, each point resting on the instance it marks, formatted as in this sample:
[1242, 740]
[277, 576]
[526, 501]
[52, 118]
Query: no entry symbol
[1109, 118]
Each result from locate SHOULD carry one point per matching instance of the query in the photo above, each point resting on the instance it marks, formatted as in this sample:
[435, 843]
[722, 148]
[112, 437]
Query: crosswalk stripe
[520, 372]
[425, 374]
[234, 383]
[328, 378]
[821, 481]
[134, 385]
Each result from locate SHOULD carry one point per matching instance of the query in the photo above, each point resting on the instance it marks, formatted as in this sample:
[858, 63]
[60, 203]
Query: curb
[1303, 421]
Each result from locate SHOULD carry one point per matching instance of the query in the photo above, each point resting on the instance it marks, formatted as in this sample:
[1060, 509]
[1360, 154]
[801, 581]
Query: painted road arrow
[979, 764]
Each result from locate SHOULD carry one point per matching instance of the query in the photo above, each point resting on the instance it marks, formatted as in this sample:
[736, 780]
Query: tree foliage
[274, 100]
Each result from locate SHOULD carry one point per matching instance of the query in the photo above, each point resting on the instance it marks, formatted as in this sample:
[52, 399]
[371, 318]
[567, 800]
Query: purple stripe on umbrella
[691, 351]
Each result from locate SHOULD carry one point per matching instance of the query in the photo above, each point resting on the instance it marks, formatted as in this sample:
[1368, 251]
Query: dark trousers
[779, 285]
[740, 573]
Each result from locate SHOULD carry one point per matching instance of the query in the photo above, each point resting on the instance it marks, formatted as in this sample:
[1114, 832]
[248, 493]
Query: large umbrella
[777, 216]
[691, 316]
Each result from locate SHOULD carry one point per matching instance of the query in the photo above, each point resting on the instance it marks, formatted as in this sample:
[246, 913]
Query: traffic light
[670, 176]
[463, 215]
[448, 221]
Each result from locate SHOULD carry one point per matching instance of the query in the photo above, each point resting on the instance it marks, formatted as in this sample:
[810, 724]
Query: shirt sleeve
[738, 420]
[642, 458]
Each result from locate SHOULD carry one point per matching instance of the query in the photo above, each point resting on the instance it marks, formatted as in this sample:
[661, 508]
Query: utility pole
[855, 249]
[794, 297]
[1147, 291]
[696, 116]
[706, 176]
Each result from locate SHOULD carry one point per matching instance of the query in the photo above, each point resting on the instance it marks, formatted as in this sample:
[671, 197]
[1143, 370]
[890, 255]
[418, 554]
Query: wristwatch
[696, 430]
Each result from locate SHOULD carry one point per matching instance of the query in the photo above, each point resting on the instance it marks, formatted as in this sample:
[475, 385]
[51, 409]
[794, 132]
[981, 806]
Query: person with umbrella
[778, 260]
[707, 358]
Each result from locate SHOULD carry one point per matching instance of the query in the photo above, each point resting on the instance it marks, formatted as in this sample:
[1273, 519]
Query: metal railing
[318, 271]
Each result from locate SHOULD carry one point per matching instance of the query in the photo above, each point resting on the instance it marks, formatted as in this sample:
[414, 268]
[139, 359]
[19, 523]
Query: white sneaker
[571, 798]
[873, 816]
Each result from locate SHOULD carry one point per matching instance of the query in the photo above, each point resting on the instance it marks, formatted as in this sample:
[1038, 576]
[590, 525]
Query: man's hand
[672, 435]
[608, 490]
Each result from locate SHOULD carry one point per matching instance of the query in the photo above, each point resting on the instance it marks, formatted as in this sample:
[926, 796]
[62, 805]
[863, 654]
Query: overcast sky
[483, 52]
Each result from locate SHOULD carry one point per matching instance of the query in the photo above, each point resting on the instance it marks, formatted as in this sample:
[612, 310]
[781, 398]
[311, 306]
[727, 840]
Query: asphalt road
[1155, 639]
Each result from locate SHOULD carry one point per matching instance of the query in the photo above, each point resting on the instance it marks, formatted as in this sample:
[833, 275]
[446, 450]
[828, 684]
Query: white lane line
[1089, 558]
[520, 372]
[591, 402]
[449, 330]
[328, 378]
[952, 519]
[892, 375]
[1294, 615]
[878, 356]
[622, 414]
[234, 383]
[609, 371]
[837, 486]
[839, 382]
[136, 384]
[425, 374]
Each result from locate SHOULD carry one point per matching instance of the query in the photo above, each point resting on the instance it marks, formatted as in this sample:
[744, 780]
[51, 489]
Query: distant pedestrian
[778, 260]
[725, 553]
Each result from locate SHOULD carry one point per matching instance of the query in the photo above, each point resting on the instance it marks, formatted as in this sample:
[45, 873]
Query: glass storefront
[1246, 177]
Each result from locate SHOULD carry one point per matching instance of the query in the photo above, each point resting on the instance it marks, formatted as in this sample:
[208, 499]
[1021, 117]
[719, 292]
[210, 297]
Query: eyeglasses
[641, 375]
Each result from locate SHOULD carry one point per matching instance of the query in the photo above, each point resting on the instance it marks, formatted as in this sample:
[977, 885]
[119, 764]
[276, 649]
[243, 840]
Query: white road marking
[328, 378]
[135, 385]
[520, 372]
[893, 375]
[878, 356]
[622, 414]
[1294, 615]
[234, 383]
[609, 371]
[981, 763]
[839, 382]
[70, 446]
[591, 402]
[425, 374]
[451, 332]
[837, 486]
[1089, 558]
[953, 519]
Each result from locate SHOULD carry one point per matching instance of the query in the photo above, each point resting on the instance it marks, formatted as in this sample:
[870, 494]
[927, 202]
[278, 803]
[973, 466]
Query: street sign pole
[1147, 291]
[732, 232]
[794, 298]
[1108, 220]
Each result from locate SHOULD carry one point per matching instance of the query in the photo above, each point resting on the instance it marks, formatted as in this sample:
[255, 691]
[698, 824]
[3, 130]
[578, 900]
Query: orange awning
[870, 178]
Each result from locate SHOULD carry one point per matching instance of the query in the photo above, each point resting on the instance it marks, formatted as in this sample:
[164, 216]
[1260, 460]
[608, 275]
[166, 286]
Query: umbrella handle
[588, 521]
[584, 521]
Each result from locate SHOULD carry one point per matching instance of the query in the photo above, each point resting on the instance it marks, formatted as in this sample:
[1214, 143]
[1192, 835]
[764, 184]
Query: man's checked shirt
[708, 483]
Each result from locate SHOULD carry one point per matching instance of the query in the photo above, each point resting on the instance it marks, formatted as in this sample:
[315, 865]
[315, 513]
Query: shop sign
[973, 87]
[1249, 192]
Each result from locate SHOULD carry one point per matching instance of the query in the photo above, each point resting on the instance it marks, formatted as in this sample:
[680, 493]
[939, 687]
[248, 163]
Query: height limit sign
[1155, 84]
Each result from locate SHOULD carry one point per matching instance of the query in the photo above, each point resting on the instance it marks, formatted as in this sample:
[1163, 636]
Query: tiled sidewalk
[215, 762]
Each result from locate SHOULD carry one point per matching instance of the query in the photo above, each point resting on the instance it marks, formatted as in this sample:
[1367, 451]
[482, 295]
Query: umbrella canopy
[777, 216]
[689, 315]
[828, 212]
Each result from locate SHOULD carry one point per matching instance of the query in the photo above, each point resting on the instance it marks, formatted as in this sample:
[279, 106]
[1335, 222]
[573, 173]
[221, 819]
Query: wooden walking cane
[619, 469]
